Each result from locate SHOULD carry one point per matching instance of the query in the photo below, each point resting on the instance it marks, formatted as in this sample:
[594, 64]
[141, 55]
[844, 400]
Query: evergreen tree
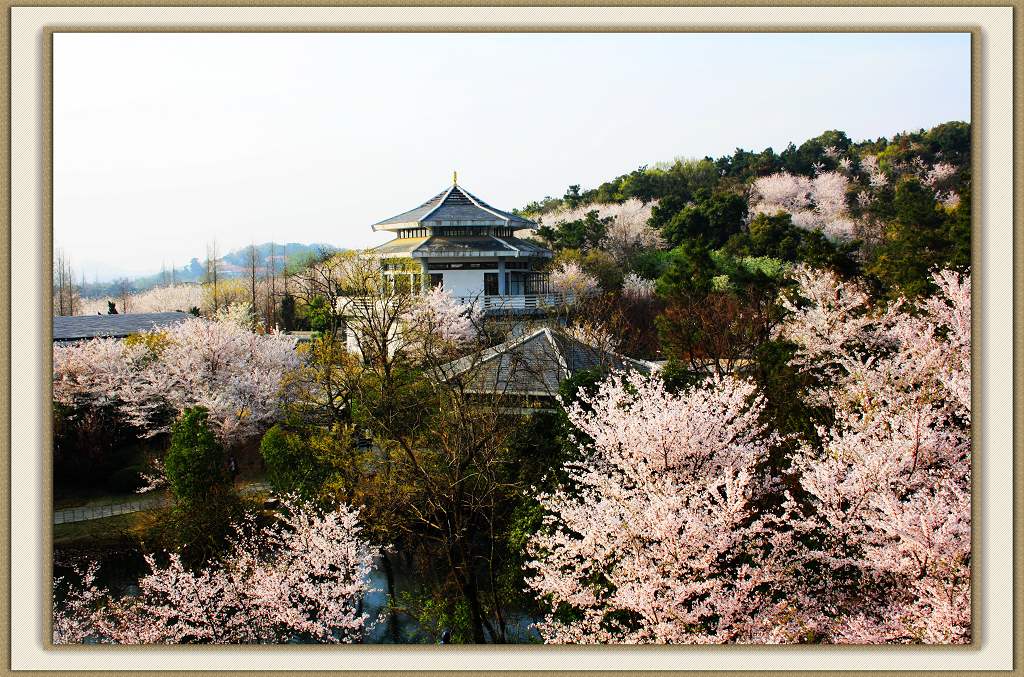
[205, 502]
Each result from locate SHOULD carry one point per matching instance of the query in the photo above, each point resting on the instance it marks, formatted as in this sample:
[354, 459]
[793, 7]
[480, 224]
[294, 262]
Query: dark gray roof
[399, 247]
[77, 327]
[454, 206]
[469, 245]
[533, 364]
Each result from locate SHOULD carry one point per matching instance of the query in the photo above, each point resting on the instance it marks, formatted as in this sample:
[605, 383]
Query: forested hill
[890, 209]
[232, 264]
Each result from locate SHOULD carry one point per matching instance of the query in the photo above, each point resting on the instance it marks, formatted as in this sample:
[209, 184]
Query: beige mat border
[5, 254]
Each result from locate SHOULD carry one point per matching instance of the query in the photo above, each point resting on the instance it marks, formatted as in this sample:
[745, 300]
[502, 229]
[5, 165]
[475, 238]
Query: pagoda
[458, 241]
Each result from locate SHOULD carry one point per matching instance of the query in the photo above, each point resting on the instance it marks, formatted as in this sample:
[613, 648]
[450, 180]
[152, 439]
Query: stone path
[95, 512]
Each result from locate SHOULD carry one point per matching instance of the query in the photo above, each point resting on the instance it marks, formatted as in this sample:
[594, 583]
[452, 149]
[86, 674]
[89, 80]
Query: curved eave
[446, 223]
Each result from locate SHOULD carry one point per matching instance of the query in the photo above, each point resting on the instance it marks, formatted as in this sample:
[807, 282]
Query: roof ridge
[439, 202]
[483, 205]
[488, 354]
[558, 351]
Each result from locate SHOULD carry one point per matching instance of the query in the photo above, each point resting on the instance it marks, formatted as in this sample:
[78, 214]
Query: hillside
[232, 264]
[888, 209]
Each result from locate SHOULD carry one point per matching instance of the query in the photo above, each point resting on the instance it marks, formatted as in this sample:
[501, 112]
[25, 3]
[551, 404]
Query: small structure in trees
[531, 367]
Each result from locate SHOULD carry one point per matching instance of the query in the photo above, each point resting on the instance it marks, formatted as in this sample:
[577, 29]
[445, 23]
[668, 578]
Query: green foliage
[320, 314]
[650, 264]
[921, 237]
[603, 266]
[196, 463]
[583, 234]
[205, 503]
[319, 464]
[678, 377]
[690, 271]
[712, 218]
[801, 160]
[776, 237]
[288, 312]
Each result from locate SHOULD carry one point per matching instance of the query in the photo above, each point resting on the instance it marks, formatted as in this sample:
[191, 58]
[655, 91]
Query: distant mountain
[233, 264]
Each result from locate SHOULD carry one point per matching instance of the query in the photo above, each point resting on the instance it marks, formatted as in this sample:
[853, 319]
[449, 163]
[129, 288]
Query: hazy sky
[163, 142]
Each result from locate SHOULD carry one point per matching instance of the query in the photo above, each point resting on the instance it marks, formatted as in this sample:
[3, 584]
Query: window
[436, 279]
[490, 284]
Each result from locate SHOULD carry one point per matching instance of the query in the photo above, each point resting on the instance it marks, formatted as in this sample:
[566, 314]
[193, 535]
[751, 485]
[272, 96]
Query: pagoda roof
[454, 206]
[452, 246]
[534, 364]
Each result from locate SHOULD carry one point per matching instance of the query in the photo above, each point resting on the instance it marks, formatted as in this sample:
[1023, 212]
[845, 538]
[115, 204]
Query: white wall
[464, 282]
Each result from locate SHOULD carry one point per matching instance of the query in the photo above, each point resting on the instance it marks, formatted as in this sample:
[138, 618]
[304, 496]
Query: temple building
[457, 240]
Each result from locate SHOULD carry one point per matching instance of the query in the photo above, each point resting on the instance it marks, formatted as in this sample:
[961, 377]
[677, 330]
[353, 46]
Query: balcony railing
[495, 303]
[508, 302]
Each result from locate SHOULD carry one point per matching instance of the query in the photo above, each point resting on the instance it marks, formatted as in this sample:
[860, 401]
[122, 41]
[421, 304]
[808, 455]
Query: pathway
[95, 512]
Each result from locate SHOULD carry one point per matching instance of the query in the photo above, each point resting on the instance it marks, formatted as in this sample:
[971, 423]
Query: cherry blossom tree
[890, 488]
[661, 532]
[570, 279]
[437, 316]
[813, 204]
[627, 231]
[181, 297]
[876, 177]
[653, 538]
[302, 576]
[236, 374]
[636, 287]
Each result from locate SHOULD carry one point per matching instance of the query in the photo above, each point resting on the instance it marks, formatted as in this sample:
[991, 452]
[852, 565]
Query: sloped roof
[454, 206]
[78, 327]
[533, 364]
[467, 245]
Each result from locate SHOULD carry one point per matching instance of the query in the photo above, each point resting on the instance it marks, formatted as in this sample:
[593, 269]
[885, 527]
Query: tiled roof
[77, 327]
[400, 247]
[453, 207]
[469, 245]
[532, 364]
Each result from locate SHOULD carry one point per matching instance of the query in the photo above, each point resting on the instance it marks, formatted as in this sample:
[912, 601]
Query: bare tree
[253, 260]
[66, 297]
[211, 272]
[60, 283]
[125, 291]
[269, 289]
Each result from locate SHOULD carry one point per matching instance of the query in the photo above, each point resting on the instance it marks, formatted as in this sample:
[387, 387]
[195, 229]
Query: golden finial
[455, 178]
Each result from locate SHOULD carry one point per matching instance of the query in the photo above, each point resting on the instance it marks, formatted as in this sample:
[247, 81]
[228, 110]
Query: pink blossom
[156, 300]
[939, 175]
[236, 374]
[636, 287]
[302, 576]
[890, 486]
[626, 233]
[813, 204]
[570, 279]
[642, 547]
[438, 314]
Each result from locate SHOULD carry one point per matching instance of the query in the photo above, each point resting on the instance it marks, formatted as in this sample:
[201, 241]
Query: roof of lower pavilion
[81, 327]
[454, 206]
[440, 246]
[534, 364]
